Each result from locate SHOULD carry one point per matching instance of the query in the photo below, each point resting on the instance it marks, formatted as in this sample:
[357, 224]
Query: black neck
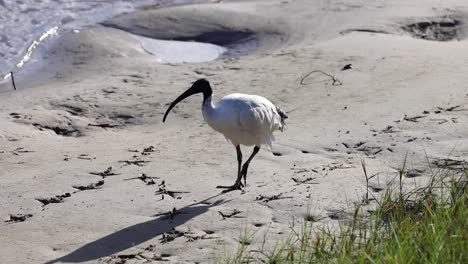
[207, 92]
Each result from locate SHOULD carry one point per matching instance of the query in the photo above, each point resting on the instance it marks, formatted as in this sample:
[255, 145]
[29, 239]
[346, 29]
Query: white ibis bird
[243, 119]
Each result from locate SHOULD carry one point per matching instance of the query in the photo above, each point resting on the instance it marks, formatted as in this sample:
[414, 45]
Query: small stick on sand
[171, 236]
[102, 125]
[267, 199]
[104, 174]
[173, 194]
[13, 80]
[18, 218]
[229, 215]
[170, 214]
[91, 186]
[336, 82]
[55, 199]
[145, 178]
[304, 181]
[134, 162]
[412, 118]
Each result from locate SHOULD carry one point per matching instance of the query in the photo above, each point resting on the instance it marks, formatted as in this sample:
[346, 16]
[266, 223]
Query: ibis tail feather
[283, 116]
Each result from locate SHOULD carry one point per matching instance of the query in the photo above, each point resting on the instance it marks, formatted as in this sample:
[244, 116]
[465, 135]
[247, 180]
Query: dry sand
[405, 95]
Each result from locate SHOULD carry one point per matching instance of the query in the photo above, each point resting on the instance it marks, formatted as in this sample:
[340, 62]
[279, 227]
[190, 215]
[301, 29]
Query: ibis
[243, 119]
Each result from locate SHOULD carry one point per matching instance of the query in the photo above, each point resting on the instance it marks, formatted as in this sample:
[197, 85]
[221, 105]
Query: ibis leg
[245, 167]
[238, 184]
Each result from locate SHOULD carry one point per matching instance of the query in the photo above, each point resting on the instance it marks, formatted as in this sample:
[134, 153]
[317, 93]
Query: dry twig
[232, 214]
[18, 218]
[267, 199]
[13, 80]
[107, 172]
[335, 82]
[304, 181]
[91, 186]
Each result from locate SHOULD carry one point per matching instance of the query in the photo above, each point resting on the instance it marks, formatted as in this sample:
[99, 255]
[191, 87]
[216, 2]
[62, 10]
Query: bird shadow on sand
[136, 234]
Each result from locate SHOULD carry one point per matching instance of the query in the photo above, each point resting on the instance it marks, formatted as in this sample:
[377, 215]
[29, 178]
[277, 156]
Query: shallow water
[26, 24]
[169, 51]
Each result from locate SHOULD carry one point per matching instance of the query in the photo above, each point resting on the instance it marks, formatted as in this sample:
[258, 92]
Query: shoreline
[65, 25]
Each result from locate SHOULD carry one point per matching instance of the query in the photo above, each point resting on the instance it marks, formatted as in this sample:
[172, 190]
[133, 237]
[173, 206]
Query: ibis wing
[247, 119]
[258, 122]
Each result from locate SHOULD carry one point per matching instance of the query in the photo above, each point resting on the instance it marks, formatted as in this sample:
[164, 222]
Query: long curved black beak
[191, 91]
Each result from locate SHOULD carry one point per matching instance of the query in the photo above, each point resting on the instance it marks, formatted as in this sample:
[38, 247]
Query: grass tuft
[424, 225]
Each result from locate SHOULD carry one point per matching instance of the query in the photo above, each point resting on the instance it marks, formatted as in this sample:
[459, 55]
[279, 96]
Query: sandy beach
[89, 173]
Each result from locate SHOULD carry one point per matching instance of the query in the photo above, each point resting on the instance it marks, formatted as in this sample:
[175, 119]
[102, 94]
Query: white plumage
[243, 119]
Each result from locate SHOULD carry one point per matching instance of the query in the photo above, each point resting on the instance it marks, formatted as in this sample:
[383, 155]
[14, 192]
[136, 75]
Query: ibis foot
[236, 186]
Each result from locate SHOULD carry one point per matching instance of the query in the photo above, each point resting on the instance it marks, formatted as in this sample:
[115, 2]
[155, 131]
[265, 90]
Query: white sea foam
[26, 24]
